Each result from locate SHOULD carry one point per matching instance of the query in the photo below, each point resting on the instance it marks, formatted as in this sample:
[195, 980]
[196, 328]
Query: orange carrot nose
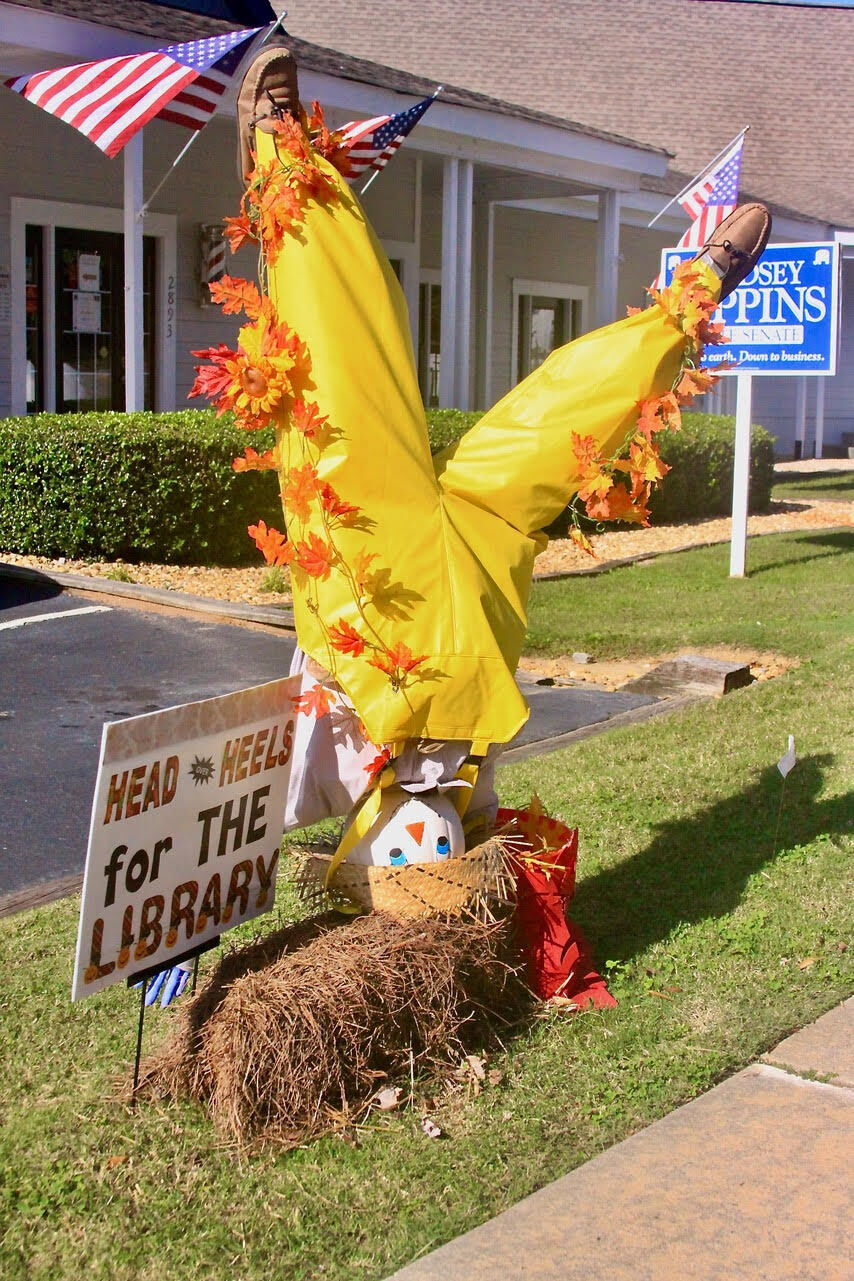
[416, 831]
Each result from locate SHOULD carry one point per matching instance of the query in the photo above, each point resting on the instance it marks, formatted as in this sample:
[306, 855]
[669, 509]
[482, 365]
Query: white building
[512, 228]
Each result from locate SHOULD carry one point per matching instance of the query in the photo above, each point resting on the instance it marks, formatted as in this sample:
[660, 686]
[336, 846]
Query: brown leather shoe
[735, 247]
[269, 91]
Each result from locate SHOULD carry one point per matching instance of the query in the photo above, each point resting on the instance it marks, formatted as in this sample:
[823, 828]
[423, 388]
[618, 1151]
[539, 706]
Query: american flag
[712, 198]
[110, 101]
[372, 143]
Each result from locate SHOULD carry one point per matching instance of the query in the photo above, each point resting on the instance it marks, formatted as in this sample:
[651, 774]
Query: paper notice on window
[86, 313]
[89, 273]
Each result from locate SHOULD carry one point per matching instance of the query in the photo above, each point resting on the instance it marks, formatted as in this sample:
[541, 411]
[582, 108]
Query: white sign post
[741, 476]
[186, 826]
[782, 320]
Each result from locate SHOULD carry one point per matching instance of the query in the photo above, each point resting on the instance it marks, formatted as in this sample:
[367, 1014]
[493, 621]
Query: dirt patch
[763, 664]
[562, 556]
[244, 585]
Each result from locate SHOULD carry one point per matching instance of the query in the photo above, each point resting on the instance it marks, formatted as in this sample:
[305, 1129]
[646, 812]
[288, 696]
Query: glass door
[90, 330]
[544, 323]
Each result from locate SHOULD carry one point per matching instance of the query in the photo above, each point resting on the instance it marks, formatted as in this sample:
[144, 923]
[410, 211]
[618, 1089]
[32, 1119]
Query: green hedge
[700, 457]
[160, 487]
[156, 487]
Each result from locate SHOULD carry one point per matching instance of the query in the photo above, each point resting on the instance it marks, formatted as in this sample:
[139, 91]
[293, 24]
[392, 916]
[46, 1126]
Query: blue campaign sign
[783, 318]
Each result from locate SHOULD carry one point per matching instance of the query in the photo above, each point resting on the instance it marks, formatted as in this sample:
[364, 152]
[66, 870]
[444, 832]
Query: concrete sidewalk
[750, 1182]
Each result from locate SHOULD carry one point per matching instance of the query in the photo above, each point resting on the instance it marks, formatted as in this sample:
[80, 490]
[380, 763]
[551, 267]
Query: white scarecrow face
[409, 829]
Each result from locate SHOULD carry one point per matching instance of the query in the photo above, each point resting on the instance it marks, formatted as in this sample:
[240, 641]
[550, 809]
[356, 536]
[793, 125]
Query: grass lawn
[816, 485]
[718, 899]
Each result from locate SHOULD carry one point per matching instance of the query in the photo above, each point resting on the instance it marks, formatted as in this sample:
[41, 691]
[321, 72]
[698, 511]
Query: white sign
[186, 826]
[89, 273]
[86, 313]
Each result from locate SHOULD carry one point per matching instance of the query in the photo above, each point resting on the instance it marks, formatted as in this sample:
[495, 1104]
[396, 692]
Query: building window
[90, 322]
[34, 279]
[545, 316]
[429, 340]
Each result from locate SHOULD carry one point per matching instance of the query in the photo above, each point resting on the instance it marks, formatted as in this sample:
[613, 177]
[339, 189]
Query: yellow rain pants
[454, 538]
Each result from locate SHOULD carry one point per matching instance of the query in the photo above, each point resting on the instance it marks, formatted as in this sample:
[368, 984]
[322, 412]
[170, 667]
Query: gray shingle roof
[684, 75]
[162, 23]
[680, 76]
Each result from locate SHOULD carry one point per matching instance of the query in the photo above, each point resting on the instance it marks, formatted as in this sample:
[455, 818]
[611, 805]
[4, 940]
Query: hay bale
[291, 1032]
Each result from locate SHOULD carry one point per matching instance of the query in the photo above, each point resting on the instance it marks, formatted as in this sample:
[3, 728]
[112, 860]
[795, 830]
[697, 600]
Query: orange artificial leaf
[300, 490]
[693, 383]
[586, 451]
[308, 419]
[346, 639]
[234, 295]
[316, 557]
[253, 461]
[276, 548]
[316, 701]
[649, 418]
[333, 505]
[617, 504]
[645, 461]
[582, 541]
[238, 232]
[398, 658]
[633, 311]
[378, 764]
[595, 486]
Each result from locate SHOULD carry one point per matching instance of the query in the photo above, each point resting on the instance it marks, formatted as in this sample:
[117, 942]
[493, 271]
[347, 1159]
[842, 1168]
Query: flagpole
[180, 156]
[699, 176]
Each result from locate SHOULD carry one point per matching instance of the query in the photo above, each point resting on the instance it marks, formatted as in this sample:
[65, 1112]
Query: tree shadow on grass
[698, 866]
[838, 541]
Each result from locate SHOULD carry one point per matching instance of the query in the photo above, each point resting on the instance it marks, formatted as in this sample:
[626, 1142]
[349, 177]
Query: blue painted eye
[397, 858]
[443, 846]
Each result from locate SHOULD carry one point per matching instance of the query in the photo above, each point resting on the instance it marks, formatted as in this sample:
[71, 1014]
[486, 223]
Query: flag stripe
[75, 108]
[89, 87]
[111, 139]
[38, 87]
[92, 112]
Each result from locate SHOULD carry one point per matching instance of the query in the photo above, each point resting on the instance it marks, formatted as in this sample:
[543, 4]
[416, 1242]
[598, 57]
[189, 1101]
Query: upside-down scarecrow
[410, 574]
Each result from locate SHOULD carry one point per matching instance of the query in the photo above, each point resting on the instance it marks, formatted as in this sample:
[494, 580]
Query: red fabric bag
[556, 953]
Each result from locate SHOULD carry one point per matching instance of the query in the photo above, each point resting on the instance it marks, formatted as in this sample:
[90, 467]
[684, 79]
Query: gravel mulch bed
[250, 585]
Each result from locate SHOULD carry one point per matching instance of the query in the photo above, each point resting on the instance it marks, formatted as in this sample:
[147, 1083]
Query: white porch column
[455, 354]
[414, 300]
[490, 299]
[134, 350]
[607, 257]
[448, 346]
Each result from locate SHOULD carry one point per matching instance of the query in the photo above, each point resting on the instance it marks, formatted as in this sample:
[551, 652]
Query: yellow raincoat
[455, 537]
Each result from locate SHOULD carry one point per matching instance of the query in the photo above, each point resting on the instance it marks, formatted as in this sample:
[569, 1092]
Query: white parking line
[60, 613]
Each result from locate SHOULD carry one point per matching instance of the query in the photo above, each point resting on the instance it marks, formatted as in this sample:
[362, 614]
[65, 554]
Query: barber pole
[211, 258]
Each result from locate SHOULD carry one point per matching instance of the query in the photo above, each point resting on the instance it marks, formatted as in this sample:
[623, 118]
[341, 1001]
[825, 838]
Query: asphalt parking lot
[71, 662]
[67, 665]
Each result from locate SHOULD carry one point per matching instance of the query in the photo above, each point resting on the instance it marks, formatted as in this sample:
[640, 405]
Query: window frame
[560, 290]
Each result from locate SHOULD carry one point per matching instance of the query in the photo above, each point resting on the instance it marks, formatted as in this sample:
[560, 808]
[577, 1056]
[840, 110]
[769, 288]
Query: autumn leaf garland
[690, 303]
[263, 382]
